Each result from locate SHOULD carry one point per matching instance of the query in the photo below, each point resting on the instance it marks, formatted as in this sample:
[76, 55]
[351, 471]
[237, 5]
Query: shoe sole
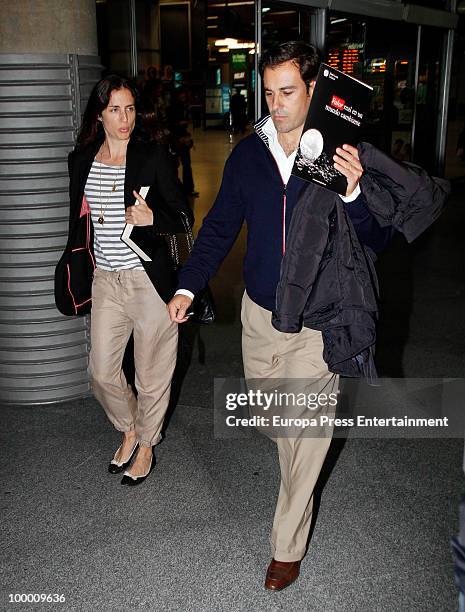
[273, 588]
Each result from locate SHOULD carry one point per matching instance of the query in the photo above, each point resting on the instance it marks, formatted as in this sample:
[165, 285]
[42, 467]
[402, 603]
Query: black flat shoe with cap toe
[116, 467]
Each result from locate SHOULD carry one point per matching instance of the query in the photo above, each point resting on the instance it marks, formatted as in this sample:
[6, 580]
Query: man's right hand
[177, 308]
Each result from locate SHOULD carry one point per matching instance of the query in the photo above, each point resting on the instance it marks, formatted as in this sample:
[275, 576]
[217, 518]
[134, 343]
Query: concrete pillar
[48, 26]
[48, 64]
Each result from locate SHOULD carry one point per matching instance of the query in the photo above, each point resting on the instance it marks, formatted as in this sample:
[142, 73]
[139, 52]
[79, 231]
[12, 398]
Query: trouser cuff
[149, 443]
[286, 556]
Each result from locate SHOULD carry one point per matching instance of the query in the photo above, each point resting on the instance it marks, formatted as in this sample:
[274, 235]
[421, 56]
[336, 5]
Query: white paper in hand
[126, 235]
[143, 193]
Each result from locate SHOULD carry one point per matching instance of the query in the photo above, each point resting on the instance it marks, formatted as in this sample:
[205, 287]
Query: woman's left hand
[139, 214]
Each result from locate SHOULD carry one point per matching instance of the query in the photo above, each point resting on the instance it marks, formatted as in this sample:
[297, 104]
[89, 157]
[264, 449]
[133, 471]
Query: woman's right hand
[177, 308]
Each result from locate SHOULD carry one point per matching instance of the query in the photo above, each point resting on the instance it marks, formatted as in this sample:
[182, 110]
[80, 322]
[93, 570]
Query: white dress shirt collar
[284, 162]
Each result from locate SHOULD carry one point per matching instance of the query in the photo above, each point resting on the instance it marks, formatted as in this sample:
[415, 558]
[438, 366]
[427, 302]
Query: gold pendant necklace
[101, 219]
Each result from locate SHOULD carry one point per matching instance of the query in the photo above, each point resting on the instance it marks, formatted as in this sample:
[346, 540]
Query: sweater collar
[265, 129]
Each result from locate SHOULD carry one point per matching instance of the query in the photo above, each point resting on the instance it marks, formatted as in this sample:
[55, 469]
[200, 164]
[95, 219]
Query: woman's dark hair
[302, 54]
[91, 128]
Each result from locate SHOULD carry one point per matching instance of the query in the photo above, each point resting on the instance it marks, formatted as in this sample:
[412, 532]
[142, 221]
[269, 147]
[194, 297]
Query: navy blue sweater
[252, 190]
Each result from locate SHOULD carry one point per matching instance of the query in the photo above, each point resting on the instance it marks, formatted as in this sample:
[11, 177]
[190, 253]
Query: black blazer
[146, 164]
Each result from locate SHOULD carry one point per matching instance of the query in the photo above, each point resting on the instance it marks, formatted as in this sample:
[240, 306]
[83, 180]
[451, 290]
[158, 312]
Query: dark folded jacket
[328, 281]
[458, 550]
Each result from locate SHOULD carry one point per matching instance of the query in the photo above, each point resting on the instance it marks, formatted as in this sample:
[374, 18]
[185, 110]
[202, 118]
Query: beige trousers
[126, 301]
[276, 357]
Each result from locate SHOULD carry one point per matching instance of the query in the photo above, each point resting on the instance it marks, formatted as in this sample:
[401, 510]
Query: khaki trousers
[125, 301]
[270, 354]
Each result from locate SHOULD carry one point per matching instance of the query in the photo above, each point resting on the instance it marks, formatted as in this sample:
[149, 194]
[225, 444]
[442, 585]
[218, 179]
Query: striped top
[110, 252]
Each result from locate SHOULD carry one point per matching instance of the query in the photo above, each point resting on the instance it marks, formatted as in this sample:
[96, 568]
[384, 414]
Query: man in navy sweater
[258, 187]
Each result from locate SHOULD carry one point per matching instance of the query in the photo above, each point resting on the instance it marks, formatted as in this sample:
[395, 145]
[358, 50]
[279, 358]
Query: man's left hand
[348, 163]
[140, 213]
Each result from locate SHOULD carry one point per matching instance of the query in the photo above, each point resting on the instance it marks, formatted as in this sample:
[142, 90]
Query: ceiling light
[283, 13]
[244, 45]
[225, 41]
[223, 4]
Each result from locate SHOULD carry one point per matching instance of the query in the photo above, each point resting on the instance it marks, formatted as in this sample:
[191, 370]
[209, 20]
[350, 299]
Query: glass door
[381, 53]
[282, 21]
[427, 97]
[114, 36]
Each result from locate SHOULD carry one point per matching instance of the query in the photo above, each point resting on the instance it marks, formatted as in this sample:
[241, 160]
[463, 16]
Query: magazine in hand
[335, 117]
[136, 236]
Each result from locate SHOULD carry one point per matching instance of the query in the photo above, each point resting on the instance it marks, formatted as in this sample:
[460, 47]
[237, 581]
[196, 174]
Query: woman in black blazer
[100, 274]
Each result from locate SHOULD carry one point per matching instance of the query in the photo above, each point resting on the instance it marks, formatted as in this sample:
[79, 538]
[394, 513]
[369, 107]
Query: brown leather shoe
[280, 574]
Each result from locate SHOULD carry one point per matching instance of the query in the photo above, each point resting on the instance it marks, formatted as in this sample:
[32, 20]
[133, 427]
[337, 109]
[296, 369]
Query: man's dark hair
[302, 54]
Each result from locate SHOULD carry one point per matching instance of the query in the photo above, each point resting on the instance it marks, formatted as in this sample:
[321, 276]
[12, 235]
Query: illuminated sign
[345, 58]
[239, 61]
[378, 65]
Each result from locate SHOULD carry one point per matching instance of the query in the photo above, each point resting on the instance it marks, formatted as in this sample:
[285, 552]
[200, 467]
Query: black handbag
[75, 270]
[202, 309]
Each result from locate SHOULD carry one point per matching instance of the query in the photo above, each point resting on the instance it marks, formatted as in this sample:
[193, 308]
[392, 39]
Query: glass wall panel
[442, 5]
[382, 53]
[455, 154]
[147, 33]
[427, 97]
[113, 31]
[175, 34]
[231, 48]
[282, 21]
